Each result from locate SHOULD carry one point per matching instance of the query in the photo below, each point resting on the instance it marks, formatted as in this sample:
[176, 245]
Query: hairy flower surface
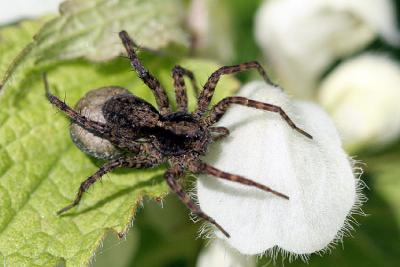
[362, 95]
[316, 174]
[301, 38]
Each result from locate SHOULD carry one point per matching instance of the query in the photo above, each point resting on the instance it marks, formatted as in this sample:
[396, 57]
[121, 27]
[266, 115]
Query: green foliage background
[40, 168]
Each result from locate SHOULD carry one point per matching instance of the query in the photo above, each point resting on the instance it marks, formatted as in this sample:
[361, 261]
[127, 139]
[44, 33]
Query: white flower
[198, 21]
[363, 95]
[302, 38]
[211, 29]
[11, 11]
[316, 174]
[218, 254]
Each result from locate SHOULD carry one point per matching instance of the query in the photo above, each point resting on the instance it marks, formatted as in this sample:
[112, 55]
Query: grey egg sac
[90, 106]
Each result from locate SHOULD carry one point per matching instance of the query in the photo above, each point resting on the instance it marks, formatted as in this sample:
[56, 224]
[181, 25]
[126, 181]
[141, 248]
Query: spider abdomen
[130, 111]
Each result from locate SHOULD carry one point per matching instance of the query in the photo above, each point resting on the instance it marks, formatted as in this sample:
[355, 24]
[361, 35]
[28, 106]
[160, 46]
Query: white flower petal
[11, 11]
[316, 175]
[362, 95]
[378, 14]
[301, 38]
[198, 20]
[211, 28]
[221, 255]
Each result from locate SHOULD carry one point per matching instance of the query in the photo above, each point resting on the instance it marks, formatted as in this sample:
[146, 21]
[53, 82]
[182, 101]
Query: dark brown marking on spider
[149, 137]
[209, 88]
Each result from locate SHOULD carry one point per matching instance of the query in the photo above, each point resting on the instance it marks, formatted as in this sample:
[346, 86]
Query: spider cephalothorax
[148, 137]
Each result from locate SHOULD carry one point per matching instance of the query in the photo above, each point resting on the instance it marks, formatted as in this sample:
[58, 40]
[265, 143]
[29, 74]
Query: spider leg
[209, 88]
[180, 89]
[204, 168]
[221, 131]
[171, 176]
[145, 75]
[92, 126]
[137, 162]
[221, 107]
[97, 128]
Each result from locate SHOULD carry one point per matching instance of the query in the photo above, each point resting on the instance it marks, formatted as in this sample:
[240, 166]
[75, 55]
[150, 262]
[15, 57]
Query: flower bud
[211, 29]
[302, 38]
[362, 95]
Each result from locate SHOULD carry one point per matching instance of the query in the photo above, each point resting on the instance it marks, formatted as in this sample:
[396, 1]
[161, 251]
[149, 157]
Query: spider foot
[301, 131]
[66, 208]
[220, 228]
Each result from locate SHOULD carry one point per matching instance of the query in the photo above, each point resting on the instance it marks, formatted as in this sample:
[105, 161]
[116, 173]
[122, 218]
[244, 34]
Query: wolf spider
[151, 137]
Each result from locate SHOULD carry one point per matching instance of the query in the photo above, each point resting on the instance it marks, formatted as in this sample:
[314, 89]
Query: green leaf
[89, 28]
[41, 169]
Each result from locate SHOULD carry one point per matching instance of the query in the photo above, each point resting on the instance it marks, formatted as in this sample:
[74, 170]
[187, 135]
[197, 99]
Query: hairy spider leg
[171, 176]
[136, 162]
[178, 73]
[152, 51]
[209, 88]
[97, 128]
[221, 131]
[222, 106]
[145, 75]
[143, 48]
[208, 169]
[92, 126]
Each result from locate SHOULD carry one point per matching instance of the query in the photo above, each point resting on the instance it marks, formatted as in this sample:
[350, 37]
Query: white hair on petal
[345, 231]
